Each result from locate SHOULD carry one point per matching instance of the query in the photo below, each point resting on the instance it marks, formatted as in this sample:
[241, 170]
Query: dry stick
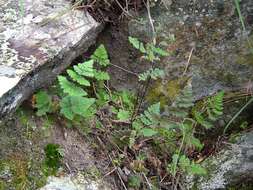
[130, 72]
[110, 172]
[237, 114]
[144, 87]
[117, 172]
[149, 184]
[188, 61]
[123, 9]
[151, 22]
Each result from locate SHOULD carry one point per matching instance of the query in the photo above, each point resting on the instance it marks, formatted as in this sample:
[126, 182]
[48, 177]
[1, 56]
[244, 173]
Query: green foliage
[78, 78]
[101, 56]
[182, 104]
[134, 181]
[75, 101]
[137, 44]
[123, 115]
[185, 165]
[237, 5]
[53, 156]
[85, 69]
[76, 105]
[148, 132]
[152, 73]
[43, 103]
[167, 130]
[70, 88]
[151, 53]
[101, 75]
[212, 111]
[176, 124]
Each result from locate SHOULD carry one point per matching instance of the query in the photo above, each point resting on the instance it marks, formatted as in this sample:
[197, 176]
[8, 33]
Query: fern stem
[240, 14]
[237, 114]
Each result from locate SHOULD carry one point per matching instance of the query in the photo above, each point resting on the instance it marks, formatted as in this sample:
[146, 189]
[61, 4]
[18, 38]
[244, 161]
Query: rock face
[229, 168]
[74, 183]
[38, 39]
[210, 35]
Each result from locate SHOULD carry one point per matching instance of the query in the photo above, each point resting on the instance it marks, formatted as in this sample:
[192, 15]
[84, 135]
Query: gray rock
[229, 168]
[77, 182]
[222, 56]
[38, 40]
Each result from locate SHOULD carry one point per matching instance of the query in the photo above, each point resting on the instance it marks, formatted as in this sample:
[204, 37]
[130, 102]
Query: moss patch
[165, 92]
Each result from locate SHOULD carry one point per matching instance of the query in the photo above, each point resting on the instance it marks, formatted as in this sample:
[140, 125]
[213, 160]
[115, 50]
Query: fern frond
[78, 78]
[185, 99]
[75, 105]
[153, 73]
[85, 69]
[159, 51]
[215, 106]
[150, 116]
[213, 110]
[101, 56]
[202, 120]
[70, 88]
[182, 103]
[101, 75]
[137, 44]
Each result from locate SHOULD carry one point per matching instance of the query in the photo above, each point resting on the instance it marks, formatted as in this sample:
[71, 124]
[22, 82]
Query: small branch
[133, 73]
[116, 168]
[237, 114]
[151, 22]
[110, 172]
[123, 9]
[188, 61]
[149, 184]
[121, 122]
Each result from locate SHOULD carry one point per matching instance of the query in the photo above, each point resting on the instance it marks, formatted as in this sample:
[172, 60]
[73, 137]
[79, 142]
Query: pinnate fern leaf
[215, 105]
[182, 103]
[101, 56]
[78, 78]
[75, 105]
[150, 116]
[214, 110]
[137, 44]
[101, 75]
[43, 103]
[85, 69]
[70, 88]
[152, 73]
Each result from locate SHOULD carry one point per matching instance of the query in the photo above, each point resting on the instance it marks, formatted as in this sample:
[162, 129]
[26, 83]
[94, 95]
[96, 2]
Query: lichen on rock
[38, 39]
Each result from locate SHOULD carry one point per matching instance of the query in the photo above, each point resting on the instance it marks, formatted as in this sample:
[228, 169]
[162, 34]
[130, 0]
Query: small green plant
[152, 54]
[168, 132]
[134, 181]
[174, 125]
[53, 157]
[75, 100]
[43, 103]
[211, 112]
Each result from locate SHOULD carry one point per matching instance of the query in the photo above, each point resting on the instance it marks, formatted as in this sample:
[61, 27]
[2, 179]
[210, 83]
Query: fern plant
[152, 54]
[211, 112]
[176, 123]
[43, 103]
[75, 101]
